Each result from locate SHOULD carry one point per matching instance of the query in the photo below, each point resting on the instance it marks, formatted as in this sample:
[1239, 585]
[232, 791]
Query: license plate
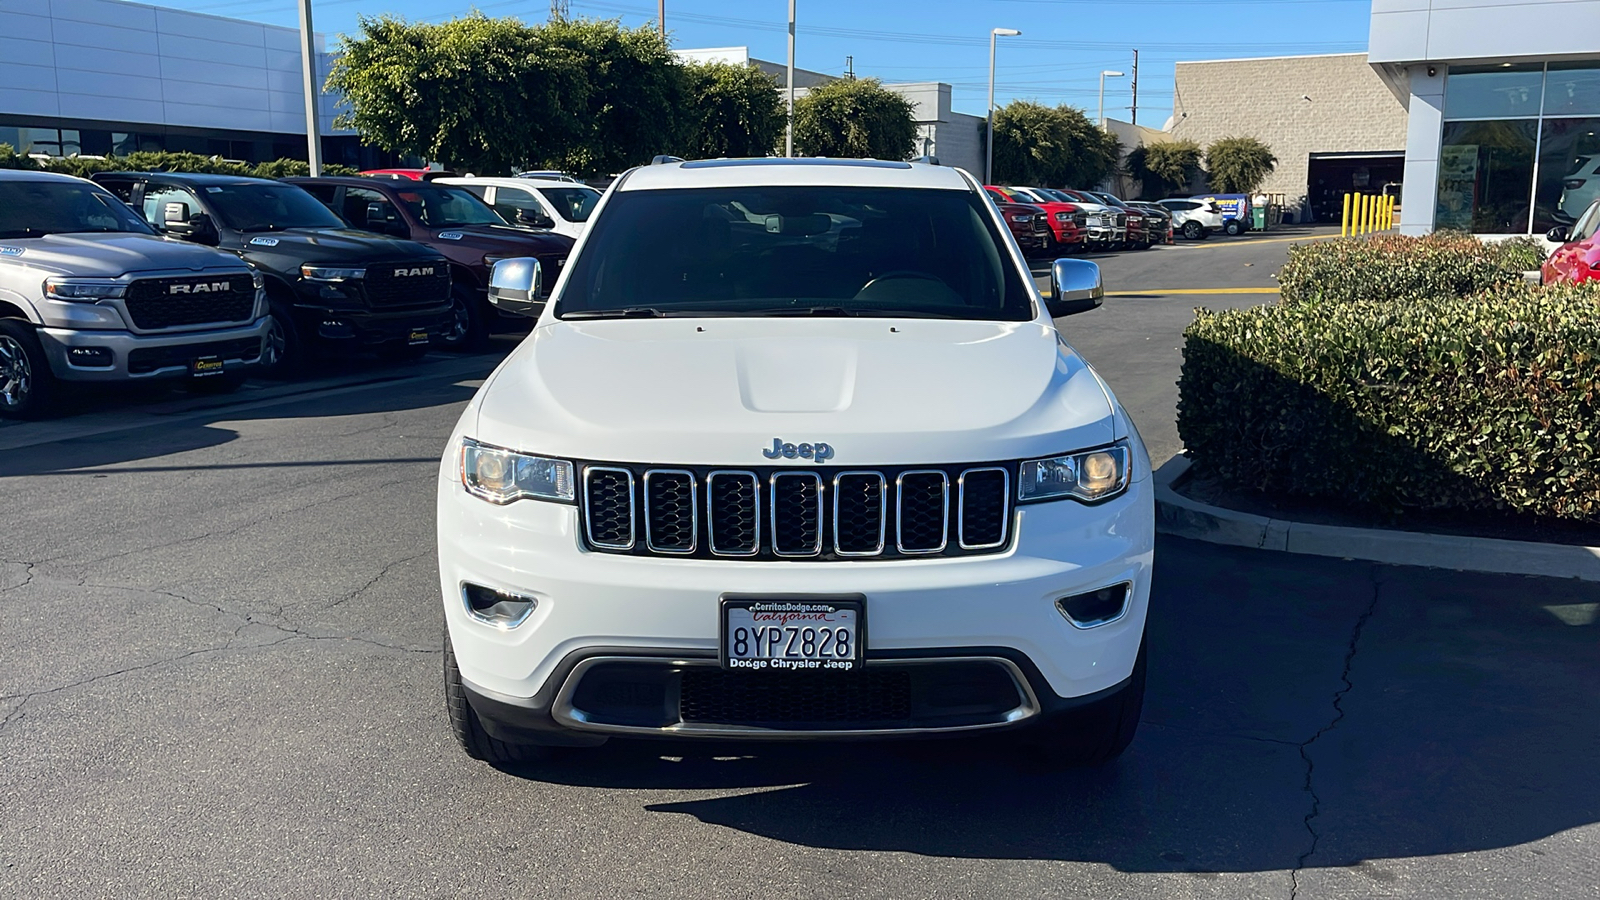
[418, 336]
[205, 366]
[793, 635]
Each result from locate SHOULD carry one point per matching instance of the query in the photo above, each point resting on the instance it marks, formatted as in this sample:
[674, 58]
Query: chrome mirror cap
[1075, 287]
[515, 286]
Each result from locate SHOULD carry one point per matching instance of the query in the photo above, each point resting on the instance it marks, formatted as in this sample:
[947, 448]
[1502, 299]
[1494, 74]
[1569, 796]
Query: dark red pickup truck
[455, 222]
[1029, 224]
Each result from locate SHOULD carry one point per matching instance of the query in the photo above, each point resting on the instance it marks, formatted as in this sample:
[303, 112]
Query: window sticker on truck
[264, 241]
[11, 251]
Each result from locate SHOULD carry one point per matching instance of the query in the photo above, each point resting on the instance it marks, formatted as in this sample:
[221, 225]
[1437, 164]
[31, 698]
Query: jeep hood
[718, 391]
[96, 255]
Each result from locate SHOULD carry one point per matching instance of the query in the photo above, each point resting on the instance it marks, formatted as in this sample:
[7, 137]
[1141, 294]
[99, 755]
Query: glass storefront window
[1569, 171]
[1572, 89]
[1486, 176]
[1494, 92]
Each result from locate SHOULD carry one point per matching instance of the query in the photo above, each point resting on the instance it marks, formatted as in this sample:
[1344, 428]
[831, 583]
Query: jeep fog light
[1096, 608]
[501, 476]
[497, 608]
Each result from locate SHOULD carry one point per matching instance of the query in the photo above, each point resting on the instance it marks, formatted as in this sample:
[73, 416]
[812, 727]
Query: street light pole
[988, 156]
[308, 69]
[1103, 77]
[788, 134]
[661, 16]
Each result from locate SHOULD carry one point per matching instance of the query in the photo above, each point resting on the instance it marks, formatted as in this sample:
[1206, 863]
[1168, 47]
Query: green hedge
[161, 162]
[1490, 401]
[1395, 268]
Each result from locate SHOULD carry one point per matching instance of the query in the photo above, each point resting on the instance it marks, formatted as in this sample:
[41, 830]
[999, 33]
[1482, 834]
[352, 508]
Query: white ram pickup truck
[795, 451]
[89, 292]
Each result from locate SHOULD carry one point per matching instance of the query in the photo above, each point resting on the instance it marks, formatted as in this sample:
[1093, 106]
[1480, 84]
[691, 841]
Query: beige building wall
[1349, 110]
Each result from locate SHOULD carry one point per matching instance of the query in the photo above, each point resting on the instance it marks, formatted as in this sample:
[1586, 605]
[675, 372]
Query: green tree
[1052, 146]
[1238, 165]
[857, 118]
[630, 104]
[730, 111]
[1165, 168]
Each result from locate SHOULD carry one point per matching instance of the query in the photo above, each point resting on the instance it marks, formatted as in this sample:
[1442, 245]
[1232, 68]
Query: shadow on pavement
[1467, 718]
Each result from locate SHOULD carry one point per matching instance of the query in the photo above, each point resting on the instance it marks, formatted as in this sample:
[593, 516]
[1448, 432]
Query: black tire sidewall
[476, 336]
[39, 401]
[292, 360]
[1194, 231]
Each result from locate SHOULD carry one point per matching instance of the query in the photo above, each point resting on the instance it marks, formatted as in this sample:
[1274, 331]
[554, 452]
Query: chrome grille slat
[853, 514]
[606, 518]
[733, 521]
[671, 511]
[796, 518]
[989, 502]
[929, 493]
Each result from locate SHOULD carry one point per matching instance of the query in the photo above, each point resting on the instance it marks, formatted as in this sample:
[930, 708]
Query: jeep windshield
[258, 206]
[812, 250]
[37, 208]
[437, 206]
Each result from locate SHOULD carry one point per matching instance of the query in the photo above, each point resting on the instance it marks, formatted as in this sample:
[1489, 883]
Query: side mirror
[1075, 287]
[515, 286]
[529, 218]
[197, 228]
[1559, 234]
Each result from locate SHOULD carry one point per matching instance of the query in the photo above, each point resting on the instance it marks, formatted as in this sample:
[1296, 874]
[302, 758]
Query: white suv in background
[795, 451]
[561, 206]
[1194, 219]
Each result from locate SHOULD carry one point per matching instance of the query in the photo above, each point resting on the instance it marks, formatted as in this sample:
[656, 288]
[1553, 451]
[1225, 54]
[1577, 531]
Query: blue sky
[1064, 45]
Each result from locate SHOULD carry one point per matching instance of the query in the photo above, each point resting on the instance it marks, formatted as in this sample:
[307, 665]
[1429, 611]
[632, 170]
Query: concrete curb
[1178, 515]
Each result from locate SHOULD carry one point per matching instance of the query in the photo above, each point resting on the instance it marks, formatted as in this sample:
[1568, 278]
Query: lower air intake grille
[865, 699]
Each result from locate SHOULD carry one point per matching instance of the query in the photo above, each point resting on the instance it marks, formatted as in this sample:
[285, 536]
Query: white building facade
[101, 77]
[1504, 104]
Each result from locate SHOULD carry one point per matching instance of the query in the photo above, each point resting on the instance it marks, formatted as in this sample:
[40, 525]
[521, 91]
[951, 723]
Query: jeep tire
[469, 731]
[1092, 735]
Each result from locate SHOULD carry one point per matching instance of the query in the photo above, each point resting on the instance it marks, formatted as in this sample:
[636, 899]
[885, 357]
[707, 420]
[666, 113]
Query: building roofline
[1202, 62]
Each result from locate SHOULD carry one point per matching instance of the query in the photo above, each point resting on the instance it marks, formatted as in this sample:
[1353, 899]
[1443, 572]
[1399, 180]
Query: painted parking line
[1255, 241]
[1161, 293]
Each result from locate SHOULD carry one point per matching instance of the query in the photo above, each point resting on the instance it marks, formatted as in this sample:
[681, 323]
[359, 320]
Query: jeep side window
[156, 198]
[369, 210]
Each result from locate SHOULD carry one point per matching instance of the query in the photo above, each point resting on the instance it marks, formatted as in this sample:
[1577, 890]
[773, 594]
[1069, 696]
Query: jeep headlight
[1090, 476]
[502, 476]
[330, 273]
[83, 291]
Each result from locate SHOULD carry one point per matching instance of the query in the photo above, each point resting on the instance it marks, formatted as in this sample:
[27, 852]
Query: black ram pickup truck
[330, 288]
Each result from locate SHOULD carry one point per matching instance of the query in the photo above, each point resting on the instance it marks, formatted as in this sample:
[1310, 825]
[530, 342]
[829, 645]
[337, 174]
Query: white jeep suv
[795, 451]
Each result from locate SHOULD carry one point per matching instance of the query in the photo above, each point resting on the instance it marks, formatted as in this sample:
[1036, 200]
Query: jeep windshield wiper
[627, 312]
[802, 311]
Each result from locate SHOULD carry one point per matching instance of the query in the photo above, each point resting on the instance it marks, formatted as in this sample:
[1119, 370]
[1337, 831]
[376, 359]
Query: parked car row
[1081, 221]
[146, 276]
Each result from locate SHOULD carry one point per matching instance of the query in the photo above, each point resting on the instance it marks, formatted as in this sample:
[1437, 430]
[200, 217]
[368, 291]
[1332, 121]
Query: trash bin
[1258, 218]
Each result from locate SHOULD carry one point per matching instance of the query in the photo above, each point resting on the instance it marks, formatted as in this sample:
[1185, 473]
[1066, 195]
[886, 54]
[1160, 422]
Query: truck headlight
[1090, 476]
[83, 291]
[329, 273]
[502, 476]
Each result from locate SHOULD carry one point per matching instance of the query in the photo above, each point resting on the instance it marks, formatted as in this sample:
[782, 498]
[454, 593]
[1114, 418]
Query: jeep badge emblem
[818, 452]
[205, 287]
[405, 273]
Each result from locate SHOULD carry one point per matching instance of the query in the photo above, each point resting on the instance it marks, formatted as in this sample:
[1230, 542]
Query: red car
[1029, 224]
[1067, 220]
[1578, 257]
[408, 174]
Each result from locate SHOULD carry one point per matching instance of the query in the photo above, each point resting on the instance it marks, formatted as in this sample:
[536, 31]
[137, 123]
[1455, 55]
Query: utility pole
[661, 16]
[1135, 87]
[788, 134]
[988, 152]
[558, 10]
[308, 69]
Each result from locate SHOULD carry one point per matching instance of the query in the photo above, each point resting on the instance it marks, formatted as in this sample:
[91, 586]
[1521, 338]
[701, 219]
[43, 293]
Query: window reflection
[1485, 173]
[1569, 171]
[1572, 89]
[1494, 92]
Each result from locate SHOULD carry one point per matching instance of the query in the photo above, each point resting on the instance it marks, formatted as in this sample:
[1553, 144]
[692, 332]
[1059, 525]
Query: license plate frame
[819, 612]
[206, 367]
[417, 337]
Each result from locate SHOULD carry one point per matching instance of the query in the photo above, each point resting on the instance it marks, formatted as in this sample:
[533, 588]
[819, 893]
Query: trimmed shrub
[84, 166]
[1485, 402]
[1391, 268]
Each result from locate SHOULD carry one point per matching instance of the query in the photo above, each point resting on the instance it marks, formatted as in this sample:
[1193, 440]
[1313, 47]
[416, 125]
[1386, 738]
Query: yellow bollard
[1366, 213]
[1391, 212]
[1345, 229]
[1361, 214]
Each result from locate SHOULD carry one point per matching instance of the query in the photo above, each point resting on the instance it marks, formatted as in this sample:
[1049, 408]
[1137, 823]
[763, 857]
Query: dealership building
[1504, 101]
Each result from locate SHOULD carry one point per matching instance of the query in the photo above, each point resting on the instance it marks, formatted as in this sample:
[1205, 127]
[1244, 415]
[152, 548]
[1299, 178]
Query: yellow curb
[1160, 293]
[1252, 243]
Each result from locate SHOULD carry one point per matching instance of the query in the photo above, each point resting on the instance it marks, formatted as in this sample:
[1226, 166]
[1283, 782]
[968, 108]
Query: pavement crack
[377, 578]
[28, 568]
[1338, 716]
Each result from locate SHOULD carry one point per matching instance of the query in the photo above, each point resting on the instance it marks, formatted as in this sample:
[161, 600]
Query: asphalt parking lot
[220, 624]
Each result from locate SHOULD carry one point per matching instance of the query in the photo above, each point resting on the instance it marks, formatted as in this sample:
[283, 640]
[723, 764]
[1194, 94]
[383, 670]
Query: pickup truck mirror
[1559, 234]
[530, 218]
[515, 286]
[1075, 287]
[175, 212]
[197, 227]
